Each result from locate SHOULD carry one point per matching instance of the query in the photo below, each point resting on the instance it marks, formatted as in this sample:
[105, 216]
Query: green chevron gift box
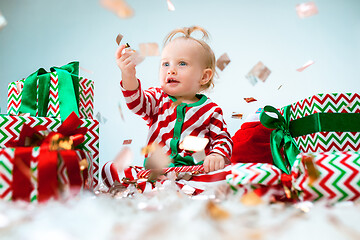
[34, 174]
[334, 176]
[320, 123]
[52, 94]
[11, 126]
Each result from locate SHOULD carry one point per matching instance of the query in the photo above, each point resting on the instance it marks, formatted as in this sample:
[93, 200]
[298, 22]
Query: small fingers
[206, 165]
[118, 53]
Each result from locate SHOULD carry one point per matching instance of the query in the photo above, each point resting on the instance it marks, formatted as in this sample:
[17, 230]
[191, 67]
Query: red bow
[51, 150]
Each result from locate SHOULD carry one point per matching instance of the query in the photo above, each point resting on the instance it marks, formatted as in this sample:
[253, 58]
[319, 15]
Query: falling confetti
[121, 112]
[119, 37]
[305, 10]
[156, 160]
[119, 7]
[306, 65]
[3, 21]
[149, 49]
[170, 5]
[101, 118]
[279, 87]
[312, 171]
[237, 115]
[86, 70]
[216, 212]
[258, 72]
[127, 141]
[123, 159]
[223, 61]
[192, 143]
[250, 99]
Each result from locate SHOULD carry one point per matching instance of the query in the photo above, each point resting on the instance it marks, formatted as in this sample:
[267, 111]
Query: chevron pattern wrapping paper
[10, 127]
[86, 98]
[7, 166]
[327, 141]
[339, 178]
[254, 173]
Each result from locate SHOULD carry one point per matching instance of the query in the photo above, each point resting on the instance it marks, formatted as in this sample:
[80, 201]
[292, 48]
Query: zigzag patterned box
[327, 103]
[10, 127]
[7, 182]
[86, 103]
[339, 176]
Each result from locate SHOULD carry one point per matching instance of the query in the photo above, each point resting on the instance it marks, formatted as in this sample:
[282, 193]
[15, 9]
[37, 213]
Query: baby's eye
[165, 64]
[182, 63]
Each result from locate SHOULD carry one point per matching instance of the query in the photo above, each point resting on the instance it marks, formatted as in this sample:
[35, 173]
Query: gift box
[52, 94]
[36, 174]
[320, 123]
[10, 127]
[335, 176]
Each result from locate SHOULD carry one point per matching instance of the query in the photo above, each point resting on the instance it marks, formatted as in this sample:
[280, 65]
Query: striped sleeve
[220, 138]
[142, 102]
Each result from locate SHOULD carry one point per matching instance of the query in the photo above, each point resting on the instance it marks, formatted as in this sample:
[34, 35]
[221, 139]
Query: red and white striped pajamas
[169, 124]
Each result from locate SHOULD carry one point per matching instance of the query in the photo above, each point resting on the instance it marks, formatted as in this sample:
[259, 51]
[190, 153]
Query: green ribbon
[280, 138]
[68, 89]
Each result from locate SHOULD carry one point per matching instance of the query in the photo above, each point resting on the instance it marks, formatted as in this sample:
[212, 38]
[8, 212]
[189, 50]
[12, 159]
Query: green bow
[280, 138]
[38, 99]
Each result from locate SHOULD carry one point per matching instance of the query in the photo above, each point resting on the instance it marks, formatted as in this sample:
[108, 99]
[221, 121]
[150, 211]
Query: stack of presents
[308, 150]
[49, 141]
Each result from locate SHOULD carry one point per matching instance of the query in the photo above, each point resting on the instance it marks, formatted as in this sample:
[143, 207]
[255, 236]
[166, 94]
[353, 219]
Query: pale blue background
[45, 33]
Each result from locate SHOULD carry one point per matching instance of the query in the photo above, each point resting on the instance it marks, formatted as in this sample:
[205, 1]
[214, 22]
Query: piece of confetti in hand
[119, 37]
[119, 7]
[258, 72]
[149, 49]
[237, 115]
[306, 65]
[170, 5]
[223, 61]
[250, 99]
[192, 143]
[305, 10]
[3, 21]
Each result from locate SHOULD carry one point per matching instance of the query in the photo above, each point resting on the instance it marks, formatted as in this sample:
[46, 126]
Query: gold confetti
[251, 199]
[313, 172]
[237, 115]
[258, 72]
[192, 143]
[123, 159]
[149, 49]
[119, 7]
[305, 10]
[223, 61]
[176, 103]
[83, 164]
[157, 158]
[216, 212]
[119, 37]
[250, 99]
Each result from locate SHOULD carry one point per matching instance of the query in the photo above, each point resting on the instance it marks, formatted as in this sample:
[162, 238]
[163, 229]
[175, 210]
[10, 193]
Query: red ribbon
[47, 160]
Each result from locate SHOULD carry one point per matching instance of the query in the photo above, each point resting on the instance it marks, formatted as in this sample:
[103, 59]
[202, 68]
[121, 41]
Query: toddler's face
[182, 68]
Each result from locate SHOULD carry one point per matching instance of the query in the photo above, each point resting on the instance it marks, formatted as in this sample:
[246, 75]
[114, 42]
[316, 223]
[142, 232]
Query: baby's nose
[171, 72]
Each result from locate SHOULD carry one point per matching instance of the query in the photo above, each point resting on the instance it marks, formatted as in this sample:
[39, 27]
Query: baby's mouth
[171, 80]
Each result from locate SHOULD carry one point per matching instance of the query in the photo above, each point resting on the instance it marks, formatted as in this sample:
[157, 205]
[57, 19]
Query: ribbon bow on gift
[35, 94]
[53, 146]
[280, 138]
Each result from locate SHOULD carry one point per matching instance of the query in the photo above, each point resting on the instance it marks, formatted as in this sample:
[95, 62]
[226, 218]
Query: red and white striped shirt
[169, 124]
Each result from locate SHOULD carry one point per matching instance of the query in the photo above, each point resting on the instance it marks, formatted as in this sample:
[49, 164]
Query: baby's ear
[207, 75]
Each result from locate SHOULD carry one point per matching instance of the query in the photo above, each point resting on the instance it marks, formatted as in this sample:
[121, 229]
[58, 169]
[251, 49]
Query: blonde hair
[210, 60]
